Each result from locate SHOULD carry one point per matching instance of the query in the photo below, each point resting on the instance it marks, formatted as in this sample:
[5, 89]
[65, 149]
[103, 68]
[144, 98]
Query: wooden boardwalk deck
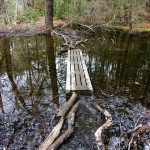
[77, 76]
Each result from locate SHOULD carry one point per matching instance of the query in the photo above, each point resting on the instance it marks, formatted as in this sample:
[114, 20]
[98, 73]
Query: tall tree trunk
[49, 14]
[5, 12]
[16, 12]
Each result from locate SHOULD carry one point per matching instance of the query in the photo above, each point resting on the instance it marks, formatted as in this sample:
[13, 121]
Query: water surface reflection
[28, 89]
[32, 83]
[120, 64]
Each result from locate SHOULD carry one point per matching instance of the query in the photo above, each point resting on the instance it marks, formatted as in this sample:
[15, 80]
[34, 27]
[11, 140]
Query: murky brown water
[32, 86]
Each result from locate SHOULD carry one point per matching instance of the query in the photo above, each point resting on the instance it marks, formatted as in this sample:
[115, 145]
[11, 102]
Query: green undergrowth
[29, 15]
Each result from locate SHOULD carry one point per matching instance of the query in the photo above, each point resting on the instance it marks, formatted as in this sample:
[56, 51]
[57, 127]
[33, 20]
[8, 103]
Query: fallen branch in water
[139, 129]
[135, 134]
[56, 131]
[69, 43]
[71, 121]
[52, 136]
[106, 125]
[80, 42]
[88, 27]
[68, 105]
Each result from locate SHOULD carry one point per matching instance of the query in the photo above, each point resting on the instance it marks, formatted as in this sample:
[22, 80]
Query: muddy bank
[22, 31]
[38, 28]
[27, 29]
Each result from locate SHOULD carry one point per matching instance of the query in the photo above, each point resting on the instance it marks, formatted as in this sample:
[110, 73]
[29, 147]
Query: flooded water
[32, 87]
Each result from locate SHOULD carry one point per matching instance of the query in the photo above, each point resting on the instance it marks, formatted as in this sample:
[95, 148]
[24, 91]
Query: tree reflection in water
[118, 65]
[121, 66]
[52, 68]
[9, 71]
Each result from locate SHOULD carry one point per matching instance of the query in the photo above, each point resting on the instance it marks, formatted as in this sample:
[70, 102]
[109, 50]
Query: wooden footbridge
[77, 75]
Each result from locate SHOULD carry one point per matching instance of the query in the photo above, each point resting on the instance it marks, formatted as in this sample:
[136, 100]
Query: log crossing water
[77, 75]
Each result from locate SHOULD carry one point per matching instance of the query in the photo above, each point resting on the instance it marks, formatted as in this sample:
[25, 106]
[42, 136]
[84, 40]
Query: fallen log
[106, 125]
[56, 131]
[71, 121]
[52, 136]
[80, 42]
[68, 105]
[88, 27]
[68, 41]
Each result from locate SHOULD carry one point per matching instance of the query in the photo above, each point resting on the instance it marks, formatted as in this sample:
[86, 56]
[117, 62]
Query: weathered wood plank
[77, 76]
[88, 81]
[68, 84]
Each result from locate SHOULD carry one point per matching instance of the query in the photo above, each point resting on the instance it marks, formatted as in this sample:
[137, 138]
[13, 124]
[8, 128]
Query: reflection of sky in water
[8, 96]
[102, 65]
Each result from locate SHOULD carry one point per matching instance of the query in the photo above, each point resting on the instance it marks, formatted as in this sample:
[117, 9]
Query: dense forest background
[109, 12]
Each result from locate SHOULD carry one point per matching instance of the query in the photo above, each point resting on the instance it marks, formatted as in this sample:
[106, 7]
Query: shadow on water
[32, 83]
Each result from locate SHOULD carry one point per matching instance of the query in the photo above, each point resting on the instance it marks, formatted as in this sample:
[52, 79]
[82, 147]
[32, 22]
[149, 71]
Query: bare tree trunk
[16, 12]
[1, 5]
[5, 12]
[49, 14]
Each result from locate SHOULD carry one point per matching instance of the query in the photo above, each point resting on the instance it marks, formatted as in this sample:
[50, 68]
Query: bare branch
[106, 125]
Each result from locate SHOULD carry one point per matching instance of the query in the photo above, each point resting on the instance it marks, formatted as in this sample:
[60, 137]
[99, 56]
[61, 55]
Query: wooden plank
[77, 76]
[88, 81]
[77, 72]
[81, 72]
[68, 72]
[73, 80]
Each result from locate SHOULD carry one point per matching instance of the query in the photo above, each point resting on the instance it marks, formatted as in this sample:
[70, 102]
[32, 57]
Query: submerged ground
[32, 86]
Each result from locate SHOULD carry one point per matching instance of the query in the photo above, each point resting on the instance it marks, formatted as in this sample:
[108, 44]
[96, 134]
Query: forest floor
[38, 28]
[27, 29]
